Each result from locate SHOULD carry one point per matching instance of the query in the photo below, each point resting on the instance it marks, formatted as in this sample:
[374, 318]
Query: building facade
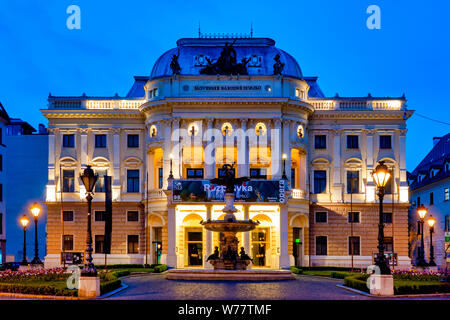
[210, 102]
[429, 186]
[25, 170]
[4, 121]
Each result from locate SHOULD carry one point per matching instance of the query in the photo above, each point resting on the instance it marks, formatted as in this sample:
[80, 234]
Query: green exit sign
[297, 241]
[447, 236]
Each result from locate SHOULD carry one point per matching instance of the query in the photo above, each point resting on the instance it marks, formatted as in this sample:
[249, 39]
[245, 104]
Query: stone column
[167, 150]
[276, 169]
[208, 242]
[337, 187]
[284, 254]
[210, 152]
[83, 147]
[51, 185]
[176, 150]
[116, 165]
[246, 243]
[370, 186]
[171, 259]
[404, 188]
[243, 151]
[286, 148]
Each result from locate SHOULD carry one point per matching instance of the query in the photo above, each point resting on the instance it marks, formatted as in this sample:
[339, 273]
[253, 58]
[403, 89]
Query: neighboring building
[4, 120]
[430, 185]
[26, 166]
[274, 110]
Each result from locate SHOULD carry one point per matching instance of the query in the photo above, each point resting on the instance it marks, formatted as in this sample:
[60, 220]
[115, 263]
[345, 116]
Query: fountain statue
[229, 259]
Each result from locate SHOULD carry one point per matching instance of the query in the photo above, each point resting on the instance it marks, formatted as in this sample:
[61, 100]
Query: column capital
[210, 121]
[176, 121]
[336, 132]
[243, 121]
[116, 130]
[277, 122]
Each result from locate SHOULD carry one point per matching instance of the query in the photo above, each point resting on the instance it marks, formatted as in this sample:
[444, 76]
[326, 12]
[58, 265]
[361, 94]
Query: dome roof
[193, 54]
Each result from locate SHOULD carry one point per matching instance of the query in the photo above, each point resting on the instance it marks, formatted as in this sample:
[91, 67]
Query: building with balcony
[4, 121]
[215, 101]
[430, 184]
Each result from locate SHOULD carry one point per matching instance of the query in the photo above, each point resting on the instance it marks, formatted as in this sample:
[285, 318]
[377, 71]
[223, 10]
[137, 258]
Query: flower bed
[417, 275]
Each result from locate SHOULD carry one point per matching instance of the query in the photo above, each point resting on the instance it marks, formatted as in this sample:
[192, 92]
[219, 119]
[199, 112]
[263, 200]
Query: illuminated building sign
[251, 191]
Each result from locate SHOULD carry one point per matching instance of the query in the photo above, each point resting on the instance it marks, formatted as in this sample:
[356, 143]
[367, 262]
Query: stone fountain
[229, 265]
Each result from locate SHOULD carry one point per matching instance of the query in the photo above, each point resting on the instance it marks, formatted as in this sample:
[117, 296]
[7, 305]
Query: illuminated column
[243, 150]
[151, 170]
[116, 165]
[176, 150]
[171, 259]
[370, 187]
[167, 150]
[83, 147]
[286, 148]
[403, 189]
[51, 186]
[246, 243]
[303, 171]
[275, 146]
[210, 152]
[284, 255]
[208, 242]
[337, 189]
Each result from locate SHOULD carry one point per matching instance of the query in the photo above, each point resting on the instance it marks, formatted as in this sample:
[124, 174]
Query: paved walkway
[156, 287]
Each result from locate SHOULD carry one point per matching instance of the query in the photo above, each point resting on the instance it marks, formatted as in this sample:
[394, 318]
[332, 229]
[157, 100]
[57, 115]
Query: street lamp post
[24, 222]
[284, 177]
[381, 176]
[35, 210]
[422, 211]
[431, 221]
[89, 179]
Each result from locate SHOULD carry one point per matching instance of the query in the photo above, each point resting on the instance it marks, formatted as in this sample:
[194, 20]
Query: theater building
[215, 101]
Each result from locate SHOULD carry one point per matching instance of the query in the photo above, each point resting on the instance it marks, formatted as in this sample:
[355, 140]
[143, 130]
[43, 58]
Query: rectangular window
[67, 215]
[385, 142]
[418, 201]
[352, 142]
[100, 140]
[99, 244]
[389, 186]
[447, 223]
[133, 244]
[68, 180]
[192, 173]
[446, 194]
[387, 217]
[353, 217]
[352, 181]
[133, 181]
[354, 245]
[321, 217]
[1, 192]
[321, 246]
[1, 223]
[258, 173]
[100, 215]
[388, 244]
[221, 173]
[293, 178]
[431, 198]
[68, 141]
[68, 242]
[132, 215]
[133, 141]
[160, 178]
[100, 184]
[320, 142]
[320, 181]
[1, 162]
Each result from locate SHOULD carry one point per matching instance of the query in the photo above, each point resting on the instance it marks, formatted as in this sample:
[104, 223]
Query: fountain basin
[230, 226]
[229, 275]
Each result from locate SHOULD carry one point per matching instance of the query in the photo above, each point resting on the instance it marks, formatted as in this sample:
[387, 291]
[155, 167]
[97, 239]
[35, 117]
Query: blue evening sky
[329, 39]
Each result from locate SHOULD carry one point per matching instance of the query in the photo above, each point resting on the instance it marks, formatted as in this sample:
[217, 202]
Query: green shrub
[110, 285]
[296, 270]
[420, 287]
[358, 282]
[160, 268]
[340, 275]
[329, 268]
[120, 266]
[121, 273]
[36, 289]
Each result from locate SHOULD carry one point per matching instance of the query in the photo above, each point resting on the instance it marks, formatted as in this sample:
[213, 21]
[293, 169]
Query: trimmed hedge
[419, 287]
[121, 266]
[358, 282]
[296, 270]
[110, 286]
[340, 275]
[160, 268]
[41, 290]
[325, 268]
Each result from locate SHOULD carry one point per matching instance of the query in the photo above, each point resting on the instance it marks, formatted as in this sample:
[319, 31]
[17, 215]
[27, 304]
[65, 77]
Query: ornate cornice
[89, 114]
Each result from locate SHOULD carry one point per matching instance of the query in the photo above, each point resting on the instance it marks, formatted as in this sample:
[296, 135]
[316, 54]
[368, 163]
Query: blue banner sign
[250, 191]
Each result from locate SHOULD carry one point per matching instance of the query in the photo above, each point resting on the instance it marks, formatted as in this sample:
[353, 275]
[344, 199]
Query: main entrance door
[194, 246]
[297, 246]
[260, 246]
